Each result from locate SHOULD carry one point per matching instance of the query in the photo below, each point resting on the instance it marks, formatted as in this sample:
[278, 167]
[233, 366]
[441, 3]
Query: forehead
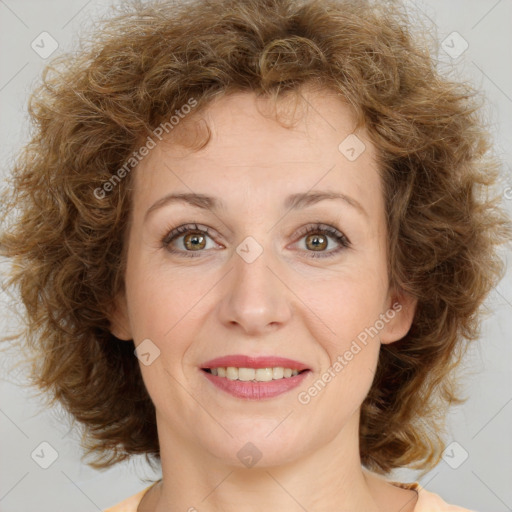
[253, 157]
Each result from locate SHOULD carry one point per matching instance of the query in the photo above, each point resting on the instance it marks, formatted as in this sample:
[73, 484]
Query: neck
[329, 477]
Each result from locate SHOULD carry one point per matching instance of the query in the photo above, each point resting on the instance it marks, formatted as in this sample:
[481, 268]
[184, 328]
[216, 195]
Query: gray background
[477, 469]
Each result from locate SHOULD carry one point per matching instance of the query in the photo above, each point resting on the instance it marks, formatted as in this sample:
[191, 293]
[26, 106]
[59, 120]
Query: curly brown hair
[94, 107]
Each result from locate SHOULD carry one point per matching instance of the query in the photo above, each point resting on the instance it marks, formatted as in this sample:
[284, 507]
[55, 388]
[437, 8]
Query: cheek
[165, 305]
[153, 295]
[346, 304]
[351, 353]
[347, 325]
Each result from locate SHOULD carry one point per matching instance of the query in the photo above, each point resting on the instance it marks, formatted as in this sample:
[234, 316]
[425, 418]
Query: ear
[119, 319]
[400, 315]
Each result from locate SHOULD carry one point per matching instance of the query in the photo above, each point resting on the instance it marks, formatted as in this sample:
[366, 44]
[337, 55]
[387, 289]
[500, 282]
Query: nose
[255, 299]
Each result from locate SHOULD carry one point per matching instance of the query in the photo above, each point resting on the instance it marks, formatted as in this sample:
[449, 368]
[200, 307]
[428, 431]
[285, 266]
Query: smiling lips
[254, 378]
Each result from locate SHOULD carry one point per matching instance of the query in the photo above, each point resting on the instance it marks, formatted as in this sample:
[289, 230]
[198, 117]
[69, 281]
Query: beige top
[427, 501]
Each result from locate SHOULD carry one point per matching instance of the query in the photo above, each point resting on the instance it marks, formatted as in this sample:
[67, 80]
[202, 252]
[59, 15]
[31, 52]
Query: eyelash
[316, 228]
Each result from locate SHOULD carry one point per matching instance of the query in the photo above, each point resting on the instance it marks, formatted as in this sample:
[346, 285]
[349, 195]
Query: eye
[316, 239]
[193, 239]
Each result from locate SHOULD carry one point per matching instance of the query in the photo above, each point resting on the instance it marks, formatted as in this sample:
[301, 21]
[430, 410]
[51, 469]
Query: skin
[284, 303]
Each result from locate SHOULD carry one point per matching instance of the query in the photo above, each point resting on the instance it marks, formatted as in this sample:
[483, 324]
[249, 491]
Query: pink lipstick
[254, 377]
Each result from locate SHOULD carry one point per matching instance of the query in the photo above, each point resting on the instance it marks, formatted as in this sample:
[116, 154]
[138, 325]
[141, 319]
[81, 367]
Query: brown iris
[194, 240]
[319, 241]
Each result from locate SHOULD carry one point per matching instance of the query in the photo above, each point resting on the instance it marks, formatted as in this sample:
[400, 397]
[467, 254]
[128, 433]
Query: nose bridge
[255, 299]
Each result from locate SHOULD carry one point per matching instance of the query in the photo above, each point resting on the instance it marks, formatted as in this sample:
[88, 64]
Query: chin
[266, 444]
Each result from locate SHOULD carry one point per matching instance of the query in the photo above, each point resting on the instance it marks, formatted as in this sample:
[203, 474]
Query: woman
[251, 247]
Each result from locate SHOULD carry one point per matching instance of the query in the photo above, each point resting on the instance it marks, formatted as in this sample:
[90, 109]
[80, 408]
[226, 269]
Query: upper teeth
[258, 374]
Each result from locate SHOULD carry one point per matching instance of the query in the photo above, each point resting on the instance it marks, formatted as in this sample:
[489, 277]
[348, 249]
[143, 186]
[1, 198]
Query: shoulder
[429, 501]
[130, 504]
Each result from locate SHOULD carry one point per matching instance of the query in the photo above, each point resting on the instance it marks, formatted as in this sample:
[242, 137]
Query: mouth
[254, 378]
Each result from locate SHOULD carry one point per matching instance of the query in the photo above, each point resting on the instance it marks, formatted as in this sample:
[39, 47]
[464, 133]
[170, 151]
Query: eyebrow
[293, 202]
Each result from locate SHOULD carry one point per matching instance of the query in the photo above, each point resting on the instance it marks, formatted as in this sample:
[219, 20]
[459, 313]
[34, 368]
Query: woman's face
[258, 284]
